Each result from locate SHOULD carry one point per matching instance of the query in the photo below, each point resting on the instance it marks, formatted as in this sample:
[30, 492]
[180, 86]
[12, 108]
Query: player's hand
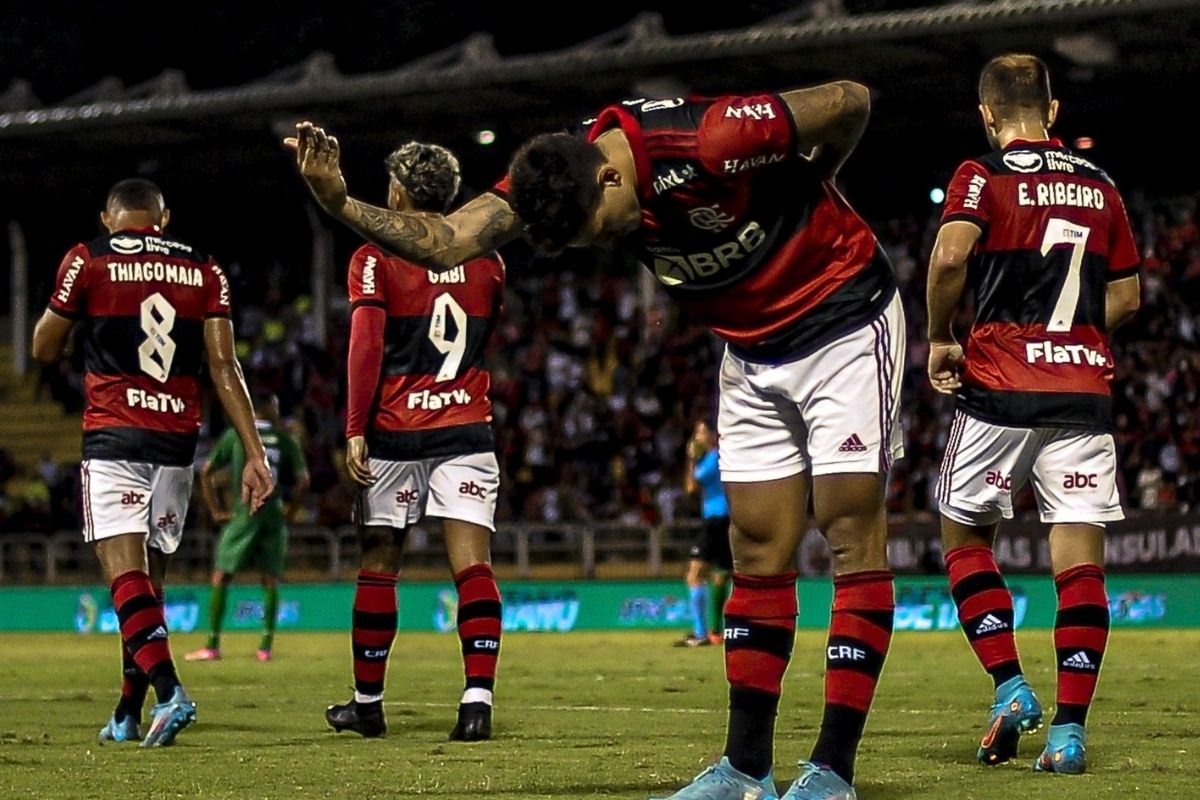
[257, 483]
[356, 461]
[319, 159]
[221, 517]
[945, 366]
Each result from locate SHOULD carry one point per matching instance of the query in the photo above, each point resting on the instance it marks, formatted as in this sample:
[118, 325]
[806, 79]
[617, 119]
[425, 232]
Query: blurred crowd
[597, 380]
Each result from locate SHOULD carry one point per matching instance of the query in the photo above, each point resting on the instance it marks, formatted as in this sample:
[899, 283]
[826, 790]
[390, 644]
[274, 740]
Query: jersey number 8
[158, 351]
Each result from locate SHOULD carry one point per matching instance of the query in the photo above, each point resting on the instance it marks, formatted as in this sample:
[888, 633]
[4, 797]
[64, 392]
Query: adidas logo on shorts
[1080, 661]
[990, 623]
[853, 445]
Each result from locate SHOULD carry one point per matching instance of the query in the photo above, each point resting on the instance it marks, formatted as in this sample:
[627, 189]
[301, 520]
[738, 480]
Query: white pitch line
[618, 709]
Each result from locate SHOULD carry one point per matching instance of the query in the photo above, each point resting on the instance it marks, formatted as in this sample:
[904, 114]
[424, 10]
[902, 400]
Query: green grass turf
[580, 715]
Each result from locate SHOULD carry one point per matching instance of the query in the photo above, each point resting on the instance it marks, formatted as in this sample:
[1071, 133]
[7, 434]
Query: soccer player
[258, 539]
[710, 555]
[151, 308]
[1042, 234]
[419, 441]
[731, 203]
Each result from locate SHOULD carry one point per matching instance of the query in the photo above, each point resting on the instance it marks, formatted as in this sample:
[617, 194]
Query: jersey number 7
[1059, 232]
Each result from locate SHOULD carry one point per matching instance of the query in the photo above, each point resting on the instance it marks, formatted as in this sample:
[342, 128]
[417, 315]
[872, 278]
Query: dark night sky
[63, 47]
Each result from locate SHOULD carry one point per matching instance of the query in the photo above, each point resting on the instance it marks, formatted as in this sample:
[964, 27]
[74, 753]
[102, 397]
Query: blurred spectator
[595, 385]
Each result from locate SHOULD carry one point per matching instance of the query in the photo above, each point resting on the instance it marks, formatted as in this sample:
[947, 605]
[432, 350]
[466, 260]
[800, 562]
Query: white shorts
[1074, 473]
[456, 487]
[122, 497]
[836, 410]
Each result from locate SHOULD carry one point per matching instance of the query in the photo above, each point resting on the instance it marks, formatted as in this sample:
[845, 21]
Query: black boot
[365, 719]
[474, 723]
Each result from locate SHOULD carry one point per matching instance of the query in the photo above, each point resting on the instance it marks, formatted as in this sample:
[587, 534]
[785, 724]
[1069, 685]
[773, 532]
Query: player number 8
[158, 318]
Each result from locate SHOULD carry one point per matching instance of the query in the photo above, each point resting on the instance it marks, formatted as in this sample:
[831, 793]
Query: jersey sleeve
[364, 281]
[70, 283]
[222, 453]
[967, 197]
[1123, 258]
[742, 133]
[218, 302]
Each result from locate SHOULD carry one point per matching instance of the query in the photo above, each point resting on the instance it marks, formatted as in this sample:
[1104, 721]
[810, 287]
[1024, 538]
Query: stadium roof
[1106, 55]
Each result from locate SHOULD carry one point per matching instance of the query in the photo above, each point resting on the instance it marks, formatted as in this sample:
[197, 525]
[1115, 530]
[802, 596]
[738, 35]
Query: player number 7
[1059, 231]
[453, 349]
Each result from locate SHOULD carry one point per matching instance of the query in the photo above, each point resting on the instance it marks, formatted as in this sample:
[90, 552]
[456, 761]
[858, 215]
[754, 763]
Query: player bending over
[251, 540]
[151, 309]
[1042, 234]
[419, 441]
[730, 203]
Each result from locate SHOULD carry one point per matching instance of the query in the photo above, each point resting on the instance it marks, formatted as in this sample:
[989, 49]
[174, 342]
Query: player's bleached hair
[135, 194]
[429, 174]
[1015, 82]
[554, 188]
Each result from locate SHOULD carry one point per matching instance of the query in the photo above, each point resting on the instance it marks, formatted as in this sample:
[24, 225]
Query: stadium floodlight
[485, 136]
[936, 195]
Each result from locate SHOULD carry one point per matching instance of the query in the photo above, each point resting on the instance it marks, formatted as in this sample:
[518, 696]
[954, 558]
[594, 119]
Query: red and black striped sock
[479, 626]
[760, 628]
[144, 630]
[860, 631]
[372, 633]
[1080, 636]
[985, 609]
[134, 686]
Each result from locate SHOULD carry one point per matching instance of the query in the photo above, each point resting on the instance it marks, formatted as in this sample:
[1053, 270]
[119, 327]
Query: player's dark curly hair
[429, 174]
[1015, 82]
[554, 188]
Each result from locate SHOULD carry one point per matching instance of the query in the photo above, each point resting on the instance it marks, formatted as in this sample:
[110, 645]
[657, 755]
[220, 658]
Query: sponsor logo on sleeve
[750, 111]
[64, 293]
[368, 275]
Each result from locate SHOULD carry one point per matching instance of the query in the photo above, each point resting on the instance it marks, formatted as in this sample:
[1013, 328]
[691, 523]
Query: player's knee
[856, 545]
[381, 548]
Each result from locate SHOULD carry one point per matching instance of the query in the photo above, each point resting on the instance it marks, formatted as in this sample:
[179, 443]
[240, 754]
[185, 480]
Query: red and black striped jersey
[142, 300]
[417, 386]
[1054, 233]
[740, 229]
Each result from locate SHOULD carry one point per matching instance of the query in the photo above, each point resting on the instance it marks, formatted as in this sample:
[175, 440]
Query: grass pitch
[619, 715]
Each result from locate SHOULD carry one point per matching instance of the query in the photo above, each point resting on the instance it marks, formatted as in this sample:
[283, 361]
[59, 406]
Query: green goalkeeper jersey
[283, 457]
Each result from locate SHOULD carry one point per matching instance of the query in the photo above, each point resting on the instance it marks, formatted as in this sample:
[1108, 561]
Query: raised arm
[830, 119]
[435, 241]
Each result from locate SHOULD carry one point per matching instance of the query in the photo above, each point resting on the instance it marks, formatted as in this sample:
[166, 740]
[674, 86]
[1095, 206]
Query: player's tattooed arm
[830, 119]
[435, 241]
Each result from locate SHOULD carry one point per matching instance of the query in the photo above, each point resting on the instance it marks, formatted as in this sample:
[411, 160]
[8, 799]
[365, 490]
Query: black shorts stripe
[974, 584]
[744, 634]
[480, 609]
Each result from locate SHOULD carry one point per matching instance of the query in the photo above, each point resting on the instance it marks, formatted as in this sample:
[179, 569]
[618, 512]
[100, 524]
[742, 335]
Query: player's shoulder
[651, 115]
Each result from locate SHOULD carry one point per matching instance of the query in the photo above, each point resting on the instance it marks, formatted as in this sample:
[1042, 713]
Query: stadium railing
[576, 550]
